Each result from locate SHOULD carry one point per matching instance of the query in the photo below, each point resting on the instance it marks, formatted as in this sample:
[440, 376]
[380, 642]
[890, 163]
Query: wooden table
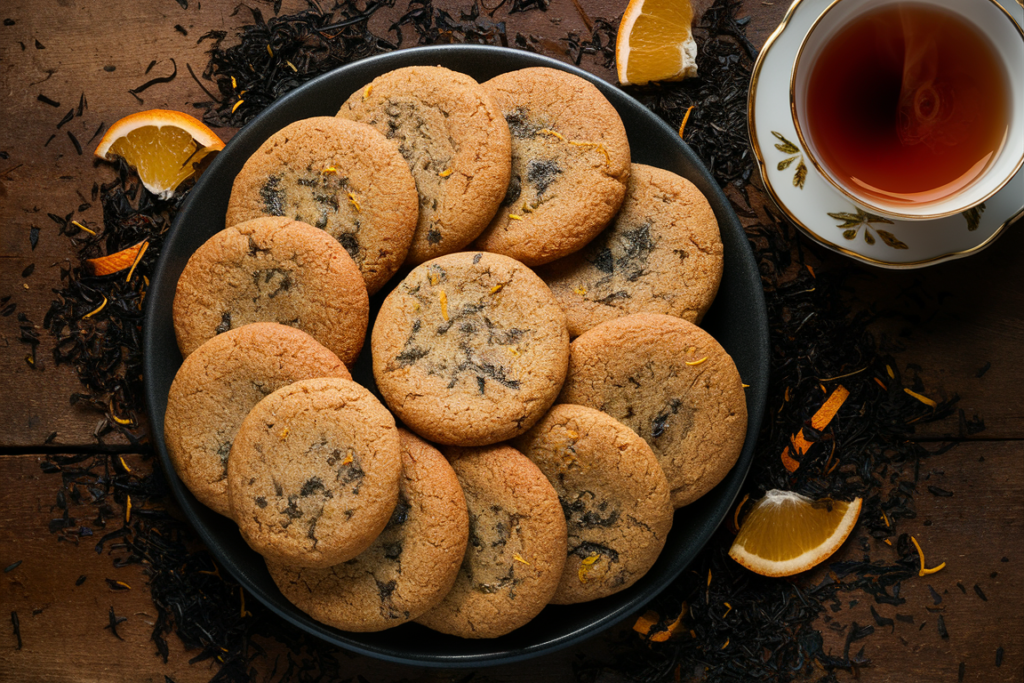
[944, 323]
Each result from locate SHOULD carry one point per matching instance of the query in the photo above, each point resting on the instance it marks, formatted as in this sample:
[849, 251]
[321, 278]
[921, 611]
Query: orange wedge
[786, 533]
[654, 42]
[162, 146]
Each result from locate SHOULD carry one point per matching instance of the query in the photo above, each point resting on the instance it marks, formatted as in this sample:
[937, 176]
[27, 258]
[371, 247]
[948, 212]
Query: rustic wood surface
[944, 323]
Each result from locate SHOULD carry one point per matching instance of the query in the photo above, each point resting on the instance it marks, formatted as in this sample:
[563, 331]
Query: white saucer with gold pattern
[823, 213]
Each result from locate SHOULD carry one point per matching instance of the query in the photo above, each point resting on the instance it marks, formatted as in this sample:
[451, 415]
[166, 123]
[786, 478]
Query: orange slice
[162, 146]
[654, 42]
[786, 533]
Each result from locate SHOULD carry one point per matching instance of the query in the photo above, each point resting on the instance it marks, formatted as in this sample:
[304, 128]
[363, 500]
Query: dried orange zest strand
[515, 217]
[123, 584]
[329, 170]
[819, 421]
[128, 511]
[728, 610]
[237, 105]
[881, 384]
[348, 458]
[886, 520]
[828, 411]
[269, 51]
[82, 227]
[113, 263]
[736, 515]
[547, 131]
[444, 305]
[124, 464]
[849, 374]
[496, 288]
[686, 117]
[94, 312]
[647, 621]
[138, 257]
[291, 66]
[920, 554]
[369, 89]
[746, 386]
[695, 362]
[518, 558]
[788, 462]
[244, 613]
[673, 628]
[887, 541]
[585, 566]
[445, 173]
[923, 399]
[354, 201]
[892, 375]
[811, 271]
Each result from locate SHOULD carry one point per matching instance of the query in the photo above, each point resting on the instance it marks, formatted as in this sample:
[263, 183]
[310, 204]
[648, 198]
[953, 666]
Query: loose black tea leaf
[882, 621]
[936, 598]
[49, 140]
[46, 100]
[942, 493]
[983, 369]
[113, 622]
[40, 46]
[943, 633]
[109, 68]
[161, 79]
[33, 236]
[28, 270]
[99, 130]
[67, 117]
[8, 22]
[74, 141]
[11, 567]
[981, 593]
[80, 580]
[999, 656]
[16, 623]
[961, 670]
[180, 29]
[82, 105]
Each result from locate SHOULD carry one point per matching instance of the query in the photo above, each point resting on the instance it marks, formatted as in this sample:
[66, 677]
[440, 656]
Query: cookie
[341, 176]
[661, 254]
[218, 385]
[671, 383]
[408, 569]
[272, 270]
[313, 473]
[570, 164]
[454, 138]
[516, 548]
[470, 349]
[613, 493]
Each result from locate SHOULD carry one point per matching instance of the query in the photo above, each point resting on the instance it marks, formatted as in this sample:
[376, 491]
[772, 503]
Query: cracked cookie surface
[570, 165]
[409, 568]
[340, 176]
[516, 548]
[661, 254]
[470, 349]
[313, 473]
[456, 142]
[272, 270]
[613, 493]
[218, 385]
[671, 383]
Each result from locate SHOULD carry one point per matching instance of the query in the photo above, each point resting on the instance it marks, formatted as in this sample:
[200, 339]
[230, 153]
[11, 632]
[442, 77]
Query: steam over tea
[908, 103]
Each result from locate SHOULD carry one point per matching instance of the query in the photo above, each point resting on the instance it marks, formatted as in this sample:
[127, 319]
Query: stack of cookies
[505, 468]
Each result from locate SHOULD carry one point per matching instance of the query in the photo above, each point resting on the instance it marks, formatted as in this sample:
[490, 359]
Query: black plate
[738, 320]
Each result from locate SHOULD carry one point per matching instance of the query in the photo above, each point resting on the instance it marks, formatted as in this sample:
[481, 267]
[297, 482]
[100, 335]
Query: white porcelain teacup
[1006, 37]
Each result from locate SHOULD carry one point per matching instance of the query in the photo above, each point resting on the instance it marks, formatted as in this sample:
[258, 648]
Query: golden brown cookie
[661, 254]
[272, 270]
[614, 495]
[408, 569]
[313, 473]
[217, 386]
[516, 550]
[570, 164]
[452, 135]
[470, 349]
[338, 175]
[671, 383]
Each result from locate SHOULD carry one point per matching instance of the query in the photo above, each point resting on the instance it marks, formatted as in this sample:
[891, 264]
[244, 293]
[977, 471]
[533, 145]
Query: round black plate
[738, 320]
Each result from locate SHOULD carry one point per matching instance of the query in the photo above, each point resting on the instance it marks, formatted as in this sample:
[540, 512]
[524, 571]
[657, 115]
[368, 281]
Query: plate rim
[757, 393]
[808, 232]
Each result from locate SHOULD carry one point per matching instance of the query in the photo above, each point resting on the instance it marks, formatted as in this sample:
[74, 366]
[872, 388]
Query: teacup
[924, 105]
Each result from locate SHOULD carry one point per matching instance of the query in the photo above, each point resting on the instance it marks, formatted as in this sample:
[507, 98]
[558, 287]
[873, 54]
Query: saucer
[823, 213]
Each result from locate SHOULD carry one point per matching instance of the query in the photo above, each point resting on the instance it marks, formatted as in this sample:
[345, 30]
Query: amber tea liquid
[909, 103]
